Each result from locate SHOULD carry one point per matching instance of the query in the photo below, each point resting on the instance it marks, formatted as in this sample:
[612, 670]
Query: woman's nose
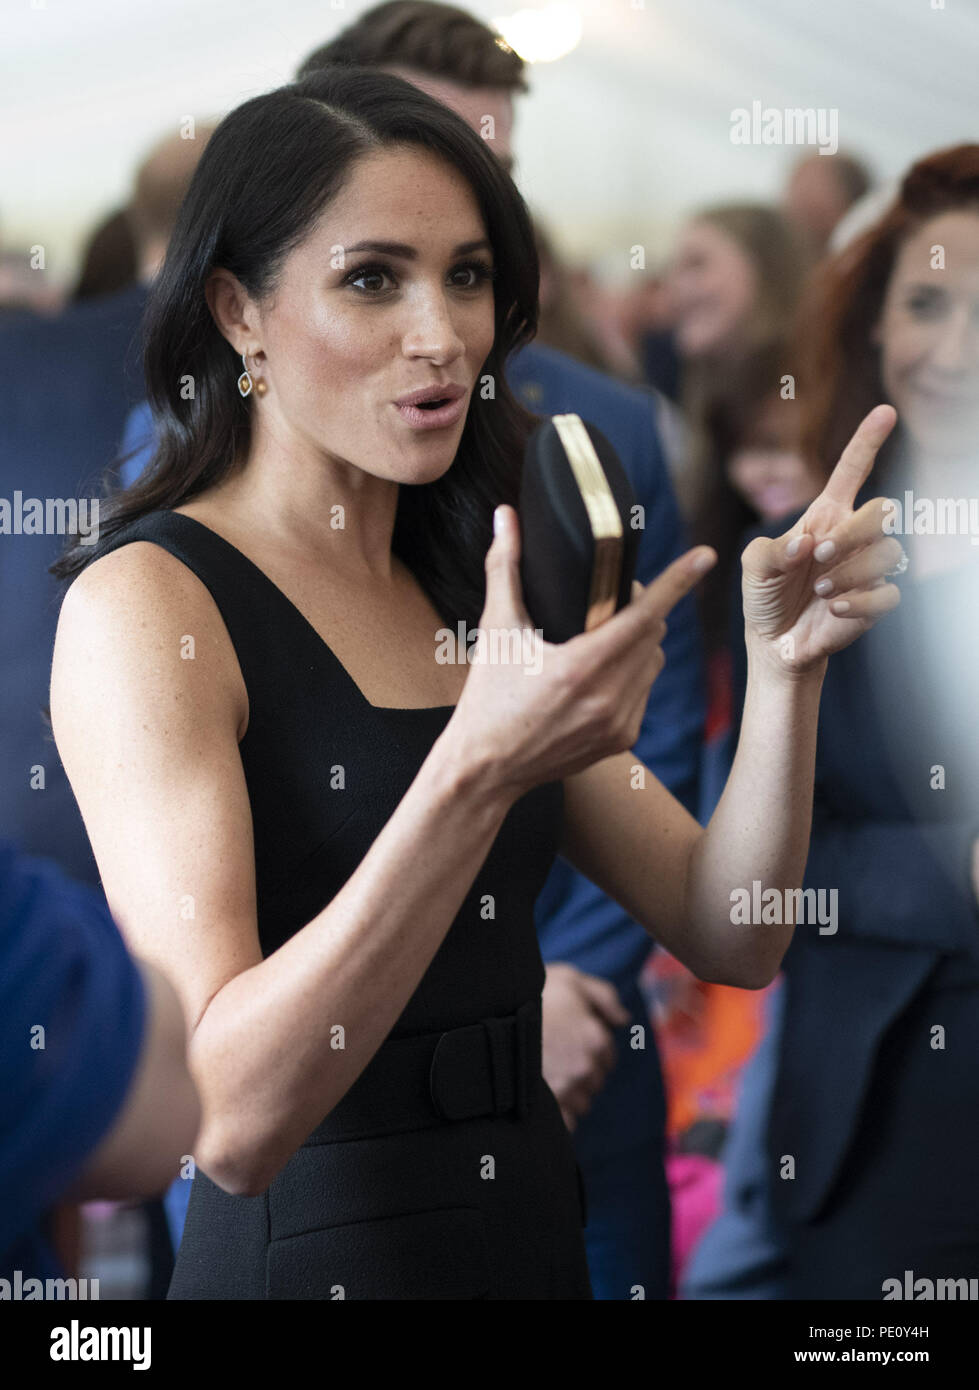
[432, 330]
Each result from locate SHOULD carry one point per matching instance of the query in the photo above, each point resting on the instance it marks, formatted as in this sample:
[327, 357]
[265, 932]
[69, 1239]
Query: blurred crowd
[756, 346]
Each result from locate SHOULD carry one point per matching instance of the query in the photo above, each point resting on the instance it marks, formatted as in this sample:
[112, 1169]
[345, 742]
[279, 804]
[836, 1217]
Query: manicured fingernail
[823, 586]
[793, 546]
[825, 550]
[702, 562]
[841, 605]
[498, 522]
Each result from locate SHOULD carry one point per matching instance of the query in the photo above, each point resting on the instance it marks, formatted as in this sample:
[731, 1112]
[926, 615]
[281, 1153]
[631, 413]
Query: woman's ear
[231, 309]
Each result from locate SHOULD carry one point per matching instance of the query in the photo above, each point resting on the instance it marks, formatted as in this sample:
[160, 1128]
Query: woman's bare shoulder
[140, 613]
[138, 575]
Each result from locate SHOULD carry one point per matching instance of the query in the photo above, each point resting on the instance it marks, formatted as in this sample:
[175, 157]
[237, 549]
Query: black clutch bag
[578, 548]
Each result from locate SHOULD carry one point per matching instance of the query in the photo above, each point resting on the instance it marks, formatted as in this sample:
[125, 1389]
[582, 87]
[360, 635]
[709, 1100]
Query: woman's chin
[940, 431]
[418, 472]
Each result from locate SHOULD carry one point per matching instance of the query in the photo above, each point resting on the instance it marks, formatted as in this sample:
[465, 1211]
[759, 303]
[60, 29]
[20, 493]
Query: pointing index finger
[654, 599]
[857, 459]
[668, 588]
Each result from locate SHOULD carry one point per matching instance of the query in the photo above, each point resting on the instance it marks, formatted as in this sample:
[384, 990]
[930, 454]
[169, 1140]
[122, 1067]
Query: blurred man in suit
[68, 384]
[69, 381]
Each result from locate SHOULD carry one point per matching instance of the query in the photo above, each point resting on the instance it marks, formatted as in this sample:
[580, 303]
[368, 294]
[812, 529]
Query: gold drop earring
[245, 382]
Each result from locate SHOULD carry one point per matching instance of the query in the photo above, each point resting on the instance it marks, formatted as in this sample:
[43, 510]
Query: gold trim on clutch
[603, 517]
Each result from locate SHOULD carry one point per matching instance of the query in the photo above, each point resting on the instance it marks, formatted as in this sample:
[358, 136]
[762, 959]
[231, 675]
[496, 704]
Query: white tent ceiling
[614, 143]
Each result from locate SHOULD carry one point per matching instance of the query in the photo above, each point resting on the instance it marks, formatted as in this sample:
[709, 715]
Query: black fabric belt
[492, 1067]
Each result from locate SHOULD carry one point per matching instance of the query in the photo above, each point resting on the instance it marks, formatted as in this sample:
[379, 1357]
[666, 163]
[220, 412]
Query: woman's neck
[333, 513]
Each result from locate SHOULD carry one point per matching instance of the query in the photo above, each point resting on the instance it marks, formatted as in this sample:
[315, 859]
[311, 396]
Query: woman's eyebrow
[408, 253]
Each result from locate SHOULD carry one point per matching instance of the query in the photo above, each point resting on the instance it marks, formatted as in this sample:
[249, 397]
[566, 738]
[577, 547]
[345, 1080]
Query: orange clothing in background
[705, 1033]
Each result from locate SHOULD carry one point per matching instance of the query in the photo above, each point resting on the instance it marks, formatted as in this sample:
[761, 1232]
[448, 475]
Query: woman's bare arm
[159, 1118]
[627, 833]
[150, 744]
[807, 594]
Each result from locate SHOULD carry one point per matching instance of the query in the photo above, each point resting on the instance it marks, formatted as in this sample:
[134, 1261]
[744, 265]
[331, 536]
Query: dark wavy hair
[267, 173]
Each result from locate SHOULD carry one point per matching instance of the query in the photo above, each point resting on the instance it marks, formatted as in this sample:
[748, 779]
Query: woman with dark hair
[869, 1083]
[332, 840]
[754, 471]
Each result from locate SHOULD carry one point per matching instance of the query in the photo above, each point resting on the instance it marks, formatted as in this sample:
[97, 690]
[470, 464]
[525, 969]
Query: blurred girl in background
[733, 288]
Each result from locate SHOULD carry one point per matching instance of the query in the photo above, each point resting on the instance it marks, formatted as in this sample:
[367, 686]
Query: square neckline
[284, 597]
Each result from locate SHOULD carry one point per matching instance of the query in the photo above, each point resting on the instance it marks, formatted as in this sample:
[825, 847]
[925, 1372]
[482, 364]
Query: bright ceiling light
[540, 36]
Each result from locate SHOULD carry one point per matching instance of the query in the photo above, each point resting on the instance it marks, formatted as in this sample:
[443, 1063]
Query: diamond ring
[901, 565]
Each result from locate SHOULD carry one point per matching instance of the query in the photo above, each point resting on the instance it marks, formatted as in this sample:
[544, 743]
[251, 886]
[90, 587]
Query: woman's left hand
[787, 607]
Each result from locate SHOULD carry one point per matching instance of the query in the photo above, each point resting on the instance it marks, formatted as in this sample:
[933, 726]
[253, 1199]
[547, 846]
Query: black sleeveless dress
[446, 1170]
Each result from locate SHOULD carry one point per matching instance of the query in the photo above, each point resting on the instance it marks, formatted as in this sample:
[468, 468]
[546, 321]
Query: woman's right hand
[565, 705]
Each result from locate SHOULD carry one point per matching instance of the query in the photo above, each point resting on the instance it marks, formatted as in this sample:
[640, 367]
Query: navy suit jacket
[69, 382]
[63, 964]
[576, 922]
[897, 851]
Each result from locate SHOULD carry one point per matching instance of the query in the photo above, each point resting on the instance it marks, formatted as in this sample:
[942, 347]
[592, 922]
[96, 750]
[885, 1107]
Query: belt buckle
[488, 1068]
[462, 1058]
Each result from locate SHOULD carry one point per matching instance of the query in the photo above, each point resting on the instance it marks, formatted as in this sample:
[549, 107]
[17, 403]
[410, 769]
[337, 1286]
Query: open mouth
[434, 414]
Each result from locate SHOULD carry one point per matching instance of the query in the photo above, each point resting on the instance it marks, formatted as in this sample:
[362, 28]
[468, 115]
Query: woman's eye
[478, 272]
[368, 272]
[926, 304]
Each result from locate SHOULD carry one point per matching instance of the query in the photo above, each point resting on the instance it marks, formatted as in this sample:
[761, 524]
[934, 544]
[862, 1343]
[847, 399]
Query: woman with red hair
[854, 1160]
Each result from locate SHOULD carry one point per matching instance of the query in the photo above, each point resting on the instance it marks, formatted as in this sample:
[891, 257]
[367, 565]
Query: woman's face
[350, 329]
[711, 286]
[928, 334]
[767, 470]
